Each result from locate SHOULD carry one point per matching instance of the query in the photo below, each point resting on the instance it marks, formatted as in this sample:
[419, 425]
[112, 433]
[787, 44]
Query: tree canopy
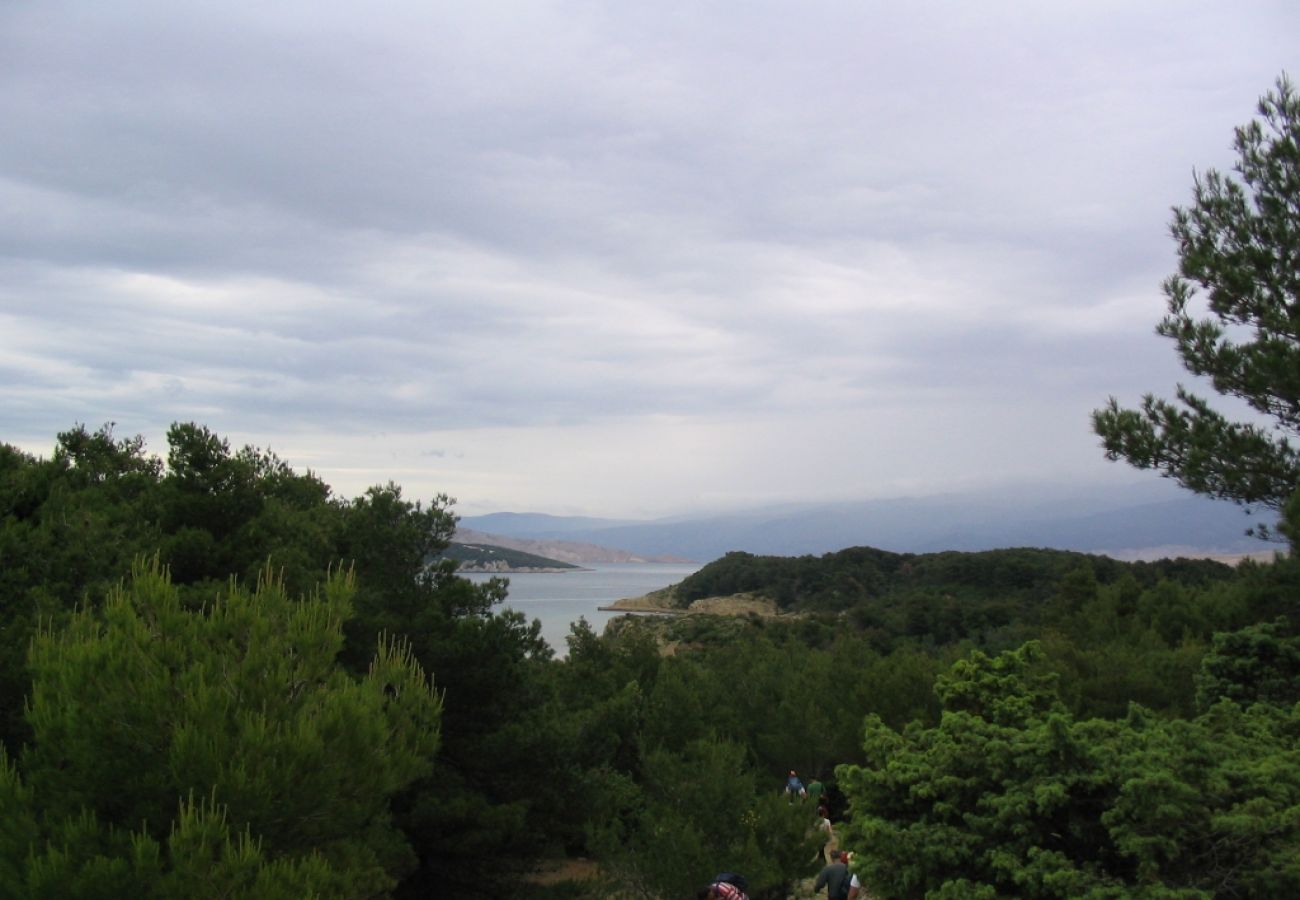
[213, 749]
[1011, 795]
[179, 726]
[72, 526]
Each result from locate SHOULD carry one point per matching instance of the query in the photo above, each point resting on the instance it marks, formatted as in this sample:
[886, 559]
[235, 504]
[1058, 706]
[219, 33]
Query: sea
[559, 599]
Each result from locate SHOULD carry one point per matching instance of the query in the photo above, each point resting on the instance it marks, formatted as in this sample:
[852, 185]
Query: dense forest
[222, 680]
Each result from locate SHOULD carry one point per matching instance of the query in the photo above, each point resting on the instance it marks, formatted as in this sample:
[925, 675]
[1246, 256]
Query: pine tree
[221, 751]
[1239, 251]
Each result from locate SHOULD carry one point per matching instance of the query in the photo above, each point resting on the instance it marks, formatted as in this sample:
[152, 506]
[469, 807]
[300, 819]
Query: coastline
[500, 568]
[663, 603]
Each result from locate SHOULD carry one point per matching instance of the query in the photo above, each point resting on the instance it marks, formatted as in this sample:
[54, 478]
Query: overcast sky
[624, 259]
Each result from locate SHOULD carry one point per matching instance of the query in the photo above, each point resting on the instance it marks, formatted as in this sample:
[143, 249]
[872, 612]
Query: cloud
[607, 258]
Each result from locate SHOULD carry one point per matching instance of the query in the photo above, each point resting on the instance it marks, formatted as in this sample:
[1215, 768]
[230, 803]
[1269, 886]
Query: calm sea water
[561, 598]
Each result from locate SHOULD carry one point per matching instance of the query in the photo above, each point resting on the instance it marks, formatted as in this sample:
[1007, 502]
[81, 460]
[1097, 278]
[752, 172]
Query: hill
[848, 578]
[490, 558]
[993, 598]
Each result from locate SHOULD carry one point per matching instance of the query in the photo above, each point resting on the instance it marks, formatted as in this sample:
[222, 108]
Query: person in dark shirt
[834, 877]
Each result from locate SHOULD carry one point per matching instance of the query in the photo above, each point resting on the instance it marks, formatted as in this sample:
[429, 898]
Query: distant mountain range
[1144, 521]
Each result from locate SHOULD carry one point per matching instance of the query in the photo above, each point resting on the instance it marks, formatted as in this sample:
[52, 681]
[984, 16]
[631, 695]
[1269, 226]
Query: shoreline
[663, 603]
[521, 570]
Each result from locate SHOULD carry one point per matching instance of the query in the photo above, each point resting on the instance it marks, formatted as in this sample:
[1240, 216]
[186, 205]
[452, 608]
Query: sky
[614, 259]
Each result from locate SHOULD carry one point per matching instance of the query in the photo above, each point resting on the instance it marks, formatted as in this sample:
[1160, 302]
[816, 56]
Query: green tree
[1010, 795]
[227, 512]
[1259, 663]
[239, 711]
[697, 813]
[1239, 245]
[69, 527]
[500, 795]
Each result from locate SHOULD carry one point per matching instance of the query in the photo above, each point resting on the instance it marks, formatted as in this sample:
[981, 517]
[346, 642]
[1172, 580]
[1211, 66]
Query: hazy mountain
[531, 524]
[1142, 520]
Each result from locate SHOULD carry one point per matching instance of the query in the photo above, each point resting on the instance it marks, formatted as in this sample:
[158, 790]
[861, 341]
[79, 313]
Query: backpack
[733, 878]
[845, 886]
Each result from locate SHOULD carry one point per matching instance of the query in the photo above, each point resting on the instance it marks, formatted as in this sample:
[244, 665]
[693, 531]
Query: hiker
[825, 834]
[855, 885]
[794, 787]
[815, 791]
[727, 886]
[835, 877]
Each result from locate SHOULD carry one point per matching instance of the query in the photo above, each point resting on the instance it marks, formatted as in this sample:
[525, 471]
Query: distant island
[503, 560]
[552, 548]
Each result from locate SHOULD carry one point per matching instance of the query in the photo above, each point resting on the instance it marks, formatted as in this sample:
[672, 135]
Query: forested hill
[491, 558]
[994, 598]
[842, 581]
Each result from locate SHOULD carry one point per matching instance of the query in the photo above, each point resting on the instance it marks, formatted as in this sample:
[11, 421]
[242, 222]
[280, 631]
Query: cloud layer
[577, 257]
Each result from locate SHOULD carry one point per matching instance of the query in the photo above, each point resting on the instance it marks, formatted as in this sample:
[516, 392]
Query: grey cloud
[427, 218]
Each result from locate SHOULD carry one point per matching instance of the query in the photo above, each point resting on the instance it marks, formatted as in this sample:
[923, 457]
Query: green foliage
[193, 737]
[390, 540]
[18, 829]
[941, 597]
[1102, 678]
[1236, 244]
[240, 704]
[1002, 689]
[698, 813]
[898, 687]
[498, 797]
[831, 582]
[1258, 664]
[783, 701]
[225, 513]
[1119, 632]
[601, 687]
[200, 858]
[71, 525]
[1010, 795]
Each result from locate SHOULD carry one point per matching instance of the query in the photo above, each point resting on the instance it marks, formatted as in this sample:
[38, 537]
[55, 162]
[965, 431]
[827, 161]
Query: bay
[559, 599]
